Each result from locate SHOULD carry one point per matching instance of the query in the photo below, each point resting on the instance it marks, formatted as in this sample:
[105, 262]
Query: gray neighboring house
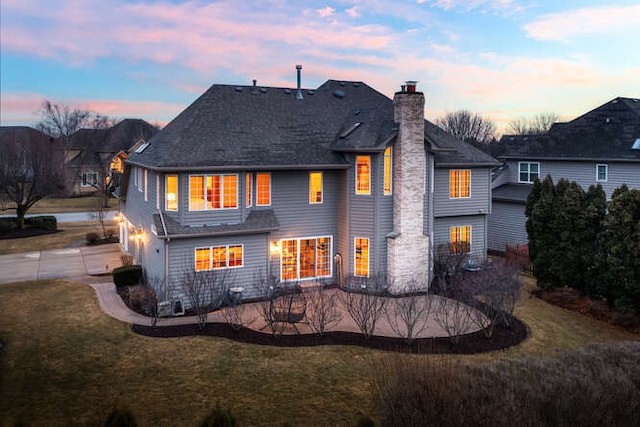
[305, 185]
[599, 147]
[92, 154]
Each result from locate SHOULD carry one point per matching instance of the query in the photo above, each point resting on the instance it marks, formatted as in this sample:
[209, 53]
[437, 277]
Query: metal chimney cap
[298, 67]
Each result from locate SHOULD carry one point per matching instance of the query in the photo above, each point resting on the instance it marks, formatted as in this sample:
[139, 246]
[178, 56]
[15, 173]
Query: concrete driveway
[69, 263]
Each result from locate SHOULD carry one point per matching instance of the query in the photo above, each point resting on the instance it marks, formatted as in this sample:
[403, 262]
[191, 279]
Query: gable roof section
[605, 133]
[252, 127]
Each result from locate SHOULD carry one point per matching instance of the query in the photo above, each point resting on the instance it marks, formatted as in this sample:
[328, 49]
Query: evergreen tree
[594, 253]
[541, 229]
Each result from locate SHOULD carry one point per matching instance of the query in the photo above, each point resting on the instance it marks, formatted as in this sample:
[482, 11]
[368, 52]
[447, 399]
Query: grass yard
[64, 362]
[69, 204]
[68, 234]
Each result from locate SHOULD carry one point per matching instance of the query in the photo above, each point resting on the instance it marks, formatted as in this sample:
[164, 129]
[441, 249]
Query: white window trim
[384, 158]
[321, 188]
[359, 192]
[205, 208]
[270, 189]
[157, 191]
[606, 172]
[298, 239]
[470, 236]
[210, 248]
[146, 186]
[520, 169]
[248, 176]
[166, 200]
[368, 257]
[459, 187]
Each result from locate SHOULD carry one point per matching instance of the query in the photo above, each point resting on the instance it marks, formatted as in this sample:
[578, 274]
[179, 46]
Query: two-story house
[305, 185]
[599, 147]
[91, 154]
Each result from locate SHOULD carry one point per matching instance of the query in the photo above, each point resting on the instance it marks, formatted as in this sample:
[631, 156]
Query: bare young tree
[454, 317]
[31, 169]
[364, 303]
[538, 124]
[61, 121]
[408, 316]
[323, 308]
[468, 126]
[235, 314]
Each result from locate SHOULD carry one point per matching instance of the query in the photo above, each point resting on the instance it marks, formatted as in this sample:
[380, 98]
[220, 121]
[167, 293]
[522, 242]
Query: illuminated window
[248, 189]
[171, 193]
[263, 189]
[220, 192]
[528, 172]
[459, 183]
[361, 257]
[305, 258]
[217, 257]
[602, 173]
[363, 174]
[117, 164]
[315, 187]
[461, 239]
[388, 170]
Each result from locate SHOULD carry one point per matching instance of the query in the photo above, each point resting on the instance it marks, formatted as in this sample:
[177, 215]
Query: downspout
[166, 256]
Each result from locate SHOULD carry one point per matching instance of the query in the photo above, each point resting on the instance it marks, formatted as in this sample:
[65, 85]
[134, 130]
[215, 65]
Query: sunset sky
[150, 59]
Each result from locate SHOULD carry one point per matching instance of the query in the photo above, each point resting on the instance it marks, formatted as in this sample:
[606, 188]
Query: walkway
[92, 265]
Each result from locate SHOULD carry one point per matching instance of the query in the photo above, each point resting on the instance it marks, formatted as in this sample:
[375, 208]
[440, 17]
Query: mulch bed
[502, 338]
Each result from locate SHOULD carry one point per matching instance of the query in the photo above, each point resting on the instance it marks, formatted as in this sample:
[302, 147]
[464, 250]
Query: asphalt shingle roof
[607, 132]
[511, 193]
[254, 127]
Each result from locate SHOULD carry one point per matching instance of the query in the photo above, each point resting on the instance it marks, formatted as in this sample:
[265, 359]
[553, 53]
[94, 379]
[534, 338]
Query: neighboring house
[303, 185]
[599, 147]
[93, 153]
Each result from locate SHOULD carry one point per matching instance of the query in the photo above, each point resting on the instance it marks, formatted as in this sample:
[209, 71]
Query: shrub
[110, 232]
[126, 259]
[127, 275]
[7, 224]
[92, 237]
[44, 222]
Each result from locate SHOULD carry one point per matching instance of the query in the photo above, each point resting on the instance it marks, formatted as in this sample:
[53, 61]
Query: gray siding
[506, 226]
[442, 233]
[584, 173]
[479, 201]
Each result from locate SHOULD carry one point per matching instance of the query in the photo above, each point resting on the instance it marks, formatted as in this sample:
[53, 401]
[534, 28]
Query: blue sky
[150, 59]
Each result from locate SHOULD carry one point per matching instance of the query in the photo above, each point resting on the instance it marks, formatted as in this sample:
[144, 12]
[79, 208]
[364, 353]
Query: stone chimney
[408, 247]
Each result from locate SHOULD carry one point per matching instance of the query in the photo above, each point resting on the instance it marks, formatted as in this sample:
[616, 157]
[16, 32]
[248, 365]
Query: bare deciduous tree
[323, 309]
[408, 316]
[61, 121]
[538, 124]
[364, 303]
[31, 169]
[468, 126]
[454, 317]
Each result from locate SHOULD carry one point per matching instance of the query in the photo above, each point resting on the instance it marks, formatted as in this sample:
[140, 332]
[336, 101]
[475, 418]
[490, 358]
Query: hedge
[44, 222]
[127, 275]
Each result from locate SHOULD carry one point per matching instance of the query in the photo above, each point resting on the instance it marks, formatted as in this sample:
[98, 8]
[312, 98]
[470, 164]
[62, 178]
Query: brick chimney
[408, 246]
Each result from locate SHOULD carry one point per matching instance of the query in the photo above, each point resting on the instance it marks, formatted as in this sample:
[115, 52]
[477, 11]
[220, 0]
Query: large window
[388, 171]
[248, 189]
[602, 173]
[263, 189]
[363, 174]
[213, 192]
[217, 257]
[461, 239]
[459, 183]
[315, 187]
[361, 256]
[171, 193]
[528, 172]
[307, 258]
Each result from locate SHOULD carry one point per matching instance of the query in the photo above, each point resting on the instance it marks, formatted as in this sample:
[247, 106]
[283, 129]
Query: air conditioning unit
[164, 309]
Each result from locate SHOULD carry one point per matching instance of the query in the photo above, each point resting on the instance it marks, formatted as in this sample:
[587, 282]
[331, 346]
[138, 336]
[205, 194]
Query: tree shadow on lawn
[503, 337]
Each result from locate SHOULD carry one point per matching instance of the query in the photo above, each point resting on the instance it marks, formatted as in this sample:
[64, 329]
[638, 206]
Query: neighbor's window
[459, 183]
[307, 258]
[461, 239]
[315, 187]
[602, 173]
[217, 257]
[361, 256]
[528, 172]
[89, 179]
[363, 174]
[208, 192]
[388, 170]
[171, 193]
[248, 189]
[263, 189]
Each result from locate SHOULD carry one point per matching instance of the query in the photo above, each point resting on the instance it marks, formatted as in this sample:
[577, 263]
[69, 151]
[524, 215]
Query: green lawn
[66, 363]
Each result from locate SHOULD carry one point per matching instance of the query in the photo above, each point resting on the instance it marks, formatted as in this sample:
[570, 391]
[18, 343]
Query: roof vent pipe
[299, 92]
[255, 82]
